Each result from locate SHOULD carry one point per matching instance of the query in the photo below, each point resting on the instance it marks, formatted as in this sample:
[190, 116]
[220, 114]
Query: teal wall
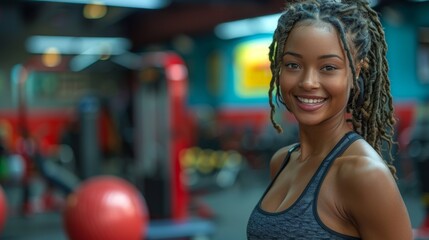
[198, 68]
[402, 23]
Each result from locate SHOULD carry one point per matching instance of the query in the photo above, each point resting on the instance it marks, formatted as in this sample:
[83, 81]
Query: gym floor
[231, 208]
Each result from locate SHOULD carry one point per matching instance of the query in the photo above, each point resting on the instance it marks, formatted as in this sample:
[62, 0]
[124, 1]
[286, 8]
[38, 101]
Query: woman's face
[315, 78]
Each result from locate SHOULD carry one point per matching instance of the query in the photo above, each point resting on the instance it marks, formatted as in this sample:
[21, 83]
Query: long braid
[272, 56]
[363, 40]
[386, 107]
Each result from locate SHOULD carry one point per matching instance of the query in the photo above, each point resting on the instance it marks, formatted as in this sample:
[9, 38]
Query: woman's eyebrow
[330, 56]
[320, 57]
[293, 54]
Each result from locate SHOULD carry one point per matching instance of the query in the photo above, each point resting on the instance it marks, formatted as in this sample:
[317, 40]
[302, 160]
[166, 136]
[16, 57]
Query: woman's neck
[318, 141]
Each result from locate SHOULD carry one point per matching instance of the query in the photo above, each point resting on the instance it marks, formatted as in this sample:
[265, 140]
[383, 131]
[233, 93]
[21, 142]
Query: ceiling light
[247, 27]
[95, 10]
[78, 45]
[149, 4]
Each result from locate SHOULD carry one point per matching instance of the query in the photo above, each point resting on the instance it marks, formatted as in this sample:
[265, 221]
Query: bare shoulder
[362, 168]
[370, 196]
[278, 158]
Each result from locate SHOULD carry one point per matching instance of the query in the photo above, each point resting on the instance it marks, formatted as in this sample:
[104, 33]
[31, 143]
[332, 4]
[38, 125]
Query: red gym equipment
[3, 209]
[105, 207]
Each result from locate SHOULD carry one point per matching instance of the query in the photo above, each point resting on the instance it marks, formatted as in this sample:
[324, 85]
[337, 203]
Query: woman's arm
[372, 200]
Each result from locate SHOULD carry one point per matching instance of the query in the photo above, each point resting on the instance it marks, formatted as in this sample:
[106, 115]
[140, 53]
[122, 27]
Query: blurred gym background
[170, 96]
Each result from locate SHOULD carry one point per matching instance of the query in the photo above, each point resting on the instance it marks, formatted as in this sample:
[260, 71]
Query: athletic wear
[300, 220]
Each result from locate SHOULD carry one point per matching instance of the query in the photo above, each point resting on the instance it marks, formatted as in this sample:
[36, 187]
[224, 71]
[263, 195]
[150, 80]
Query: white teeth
[311, 100]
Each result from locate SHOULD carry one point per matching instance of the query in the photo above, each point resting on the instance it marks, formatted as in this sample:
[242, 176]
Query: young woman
[329, 69]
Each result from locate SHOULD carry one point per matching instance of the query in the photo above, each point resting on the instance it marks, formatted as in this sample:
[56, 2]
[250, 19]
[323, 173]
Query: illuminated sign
[252, 73]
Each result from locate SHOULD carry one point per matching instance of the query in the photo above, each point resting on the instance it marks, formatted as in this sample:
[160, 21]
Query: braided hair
[363, 40]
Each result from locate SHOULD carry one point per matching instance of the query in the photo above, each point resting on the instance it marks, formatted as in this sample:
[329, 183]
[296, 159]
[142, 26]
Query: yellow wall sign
[252, 68]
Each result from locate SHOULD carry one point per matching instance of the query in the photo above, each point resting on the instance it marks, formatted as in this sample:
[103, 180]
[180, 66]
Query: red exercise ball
[105, 208]
[3, 209]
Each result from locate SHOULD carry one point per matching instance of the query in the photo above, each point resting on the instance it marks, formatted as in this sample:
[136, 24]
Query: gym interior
[150, 119]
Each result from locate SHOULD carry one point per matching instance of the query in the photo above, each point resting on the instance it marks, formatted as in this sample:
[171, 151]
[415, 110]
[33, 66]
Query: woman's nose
[309, 80]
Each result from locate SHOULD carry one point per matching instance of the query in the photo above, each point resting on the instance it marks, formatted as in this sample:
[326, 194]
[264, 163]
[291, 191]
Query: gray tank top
[300, 220]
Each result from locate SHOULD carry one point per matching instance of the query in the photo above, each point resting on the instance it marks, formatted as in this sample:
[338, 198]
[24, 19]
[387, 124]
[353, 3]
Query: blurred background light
[95, 10]
[51, 57]
[149, 4]
[78, 45]
[81, 62]
[247, 27]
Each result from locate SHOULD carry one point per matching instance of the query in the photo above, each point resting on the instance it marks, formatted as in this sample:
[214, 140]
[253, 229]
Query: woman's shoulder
[360, 164]
[368, 192]
[361, 172]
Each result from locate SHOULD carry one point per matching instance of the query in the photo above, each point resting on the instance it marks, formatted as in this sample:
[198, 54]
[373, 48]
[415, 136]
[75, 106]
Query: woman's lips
[310, 103]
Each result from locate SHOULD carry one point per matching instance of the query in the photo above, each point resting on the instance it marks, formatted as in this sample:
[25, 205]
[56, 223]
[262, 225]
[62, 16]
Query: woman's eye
[292, 65]
[329, 68]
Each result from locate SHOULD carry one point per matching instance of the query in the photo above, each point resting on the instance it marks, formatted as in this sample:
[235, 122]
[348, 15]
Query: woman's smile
[310, 103]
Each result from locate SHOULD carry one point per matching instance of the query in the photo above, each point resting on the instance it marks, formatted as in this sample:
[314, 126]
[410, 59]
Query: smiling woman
[313, 72]
[328, 63]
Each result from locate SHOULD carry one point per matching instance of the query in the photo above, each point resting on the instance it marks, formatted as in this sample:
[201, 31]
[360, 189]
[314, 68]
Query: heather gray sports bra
[300, 220]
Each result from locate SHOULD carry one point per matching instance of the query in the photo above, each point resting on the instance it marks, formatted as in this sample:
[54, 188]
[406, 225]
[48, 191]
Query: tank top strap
[286, 159]
[338, 149]
[284, 163]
